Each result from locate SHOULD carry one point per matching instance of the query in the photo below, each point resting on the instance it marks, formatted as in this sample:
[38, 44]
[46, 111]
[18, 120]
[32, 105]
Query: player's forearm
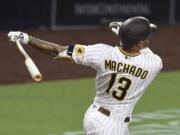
[47, 47]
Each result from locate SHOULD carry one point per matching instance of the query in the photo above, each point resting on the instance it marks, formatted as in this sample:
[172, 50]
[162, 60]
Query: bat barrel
[33, 70]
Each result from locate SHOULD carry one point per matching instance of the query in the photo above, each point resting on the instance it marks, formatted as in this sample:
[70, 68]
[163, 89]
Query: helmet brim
[153, 28]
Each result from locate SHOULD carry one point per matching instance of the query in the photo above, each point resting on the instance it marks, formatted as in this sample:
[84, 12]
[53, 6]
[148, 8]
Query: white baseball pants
[96, 123]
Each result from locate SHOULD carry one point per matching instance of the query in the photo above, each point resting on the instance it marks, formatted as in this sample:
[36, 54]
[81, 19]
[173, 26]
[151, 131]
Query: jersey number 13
[124, 84]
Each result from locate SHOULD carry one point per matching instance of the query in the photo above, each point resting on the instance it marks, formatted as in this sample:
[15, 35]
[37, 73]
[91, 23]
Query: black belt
[107, 113]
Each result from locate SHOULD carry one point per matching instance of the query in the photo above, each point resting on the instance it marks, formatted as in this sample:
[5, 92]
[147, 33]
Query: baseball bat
[30, 65]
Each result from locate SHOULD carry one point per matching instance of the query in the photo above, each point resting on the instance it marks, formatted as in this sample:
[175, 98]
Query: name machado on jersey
[125, 68]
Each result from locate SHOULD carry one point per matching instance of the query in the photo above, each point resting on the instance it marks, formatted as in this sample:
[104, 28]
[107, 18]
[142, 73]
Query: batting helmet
[134, 30]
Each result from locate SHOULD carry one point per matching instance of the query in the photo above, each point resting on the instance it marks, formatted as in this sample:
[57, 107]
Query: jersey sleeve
[160, 65]
[87, 55]
[146, 51]
[158, 60]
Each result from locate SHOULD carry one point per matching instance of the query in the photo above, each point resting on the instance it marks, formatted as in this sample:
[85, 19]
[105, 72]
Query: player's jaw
[143, 44]
[137, 46]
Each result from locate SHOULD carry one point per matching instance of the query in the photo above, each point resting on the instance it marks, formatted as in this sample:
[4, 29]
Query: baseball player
[123, 72]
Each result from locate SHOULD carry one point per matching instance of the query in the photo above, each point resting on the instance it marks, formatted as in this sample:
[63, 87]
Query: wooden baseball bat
[32, 68]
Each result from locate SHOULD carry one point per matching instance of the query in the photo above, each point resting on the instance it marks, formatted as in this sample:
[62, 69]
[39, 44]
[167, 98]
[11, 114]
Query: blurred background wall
[85, 22]
[35, 13]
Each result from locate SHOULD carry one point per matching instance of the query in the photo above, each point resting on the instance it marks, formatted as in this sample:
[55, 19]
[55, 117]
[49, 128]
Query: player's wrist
[30, 39]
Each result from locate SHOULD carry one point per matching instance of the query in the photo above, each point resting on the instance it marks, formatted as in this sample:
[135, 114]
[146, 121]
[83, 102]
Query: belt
[107, 113]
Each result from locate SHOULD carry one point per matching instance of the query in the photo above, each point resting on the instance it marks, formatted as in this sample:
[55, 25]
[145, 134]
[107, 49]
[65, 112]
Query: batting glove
[17, 35]
[115, 27]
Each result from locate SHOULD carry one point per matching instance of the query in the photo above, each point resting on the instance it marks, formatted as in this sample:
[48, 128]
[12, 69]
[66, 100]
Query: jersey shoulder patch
[79, 50]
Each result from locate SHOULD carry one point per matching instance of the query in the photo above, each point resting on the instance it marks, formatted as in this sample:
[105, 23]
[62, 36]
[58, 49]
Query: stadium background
[26, 108]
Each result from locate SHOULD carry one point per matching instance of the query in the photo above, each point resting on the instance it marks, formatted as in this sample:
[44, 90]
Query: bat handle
[24, 54]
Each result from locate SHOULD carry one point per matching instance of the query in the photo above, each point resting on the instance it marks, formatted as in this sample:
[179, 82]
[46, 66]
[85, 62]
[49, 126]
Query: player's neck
[131, 51]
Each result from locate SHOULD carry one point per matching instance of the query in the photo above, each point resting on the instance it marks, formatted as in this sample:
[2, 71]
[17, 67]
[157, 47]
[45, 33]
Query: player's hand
[115, 27]
[17, 35]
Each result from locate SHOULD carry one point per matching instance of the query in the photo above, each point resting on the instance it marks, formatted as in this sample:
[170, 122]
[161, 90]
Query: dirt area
[166, 43]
